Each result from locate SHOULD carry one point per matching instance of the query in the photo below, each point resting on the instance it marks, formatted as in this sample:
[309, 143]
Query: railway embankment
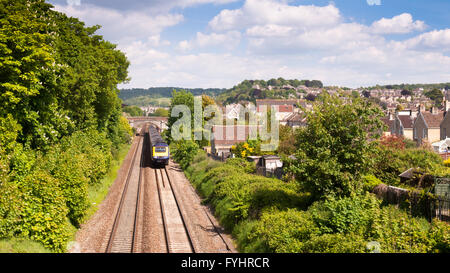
[271, 215]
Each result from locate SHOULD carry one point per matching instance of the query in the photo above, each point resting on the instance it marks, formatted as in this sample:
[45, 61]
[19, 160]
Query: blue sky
[218, 43]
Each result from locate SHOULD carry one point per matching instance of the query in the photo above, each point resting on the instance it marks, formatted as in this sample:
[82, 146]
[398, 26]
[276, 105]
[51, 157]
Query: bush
[345, 215]
[185, 151]
[390, 163]
[369, 182]
[271, 228]
[43, 211]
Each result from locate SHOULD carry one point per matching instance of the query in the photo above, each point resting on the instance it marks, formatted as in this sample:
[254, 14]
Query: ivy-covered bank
[61, 122]
[269, 215]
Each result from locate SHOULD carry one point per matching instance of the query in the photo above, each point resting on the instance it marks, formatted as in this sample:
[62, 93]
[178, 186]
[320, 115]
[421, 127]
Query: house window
[425, 133]
[444, 133]
[415, 133]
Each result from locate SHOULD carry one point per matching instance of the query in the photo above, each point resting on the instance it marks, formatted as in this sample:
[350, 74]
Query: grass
[21, 245]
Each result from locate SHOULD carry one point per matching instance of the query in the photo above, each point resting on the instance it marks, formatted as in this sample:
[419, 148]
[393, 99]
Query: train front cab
[160, 154]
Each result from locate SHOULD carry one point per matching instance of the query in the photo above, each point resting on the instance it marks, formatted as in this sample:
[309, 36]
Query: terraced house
[402, 125]
[428, 126]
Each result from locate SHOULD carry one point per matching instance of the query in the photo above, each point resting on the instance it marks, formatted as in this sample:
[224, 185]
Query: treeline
[281, 89]
[411, 87]
[60, 120]
[165, 92]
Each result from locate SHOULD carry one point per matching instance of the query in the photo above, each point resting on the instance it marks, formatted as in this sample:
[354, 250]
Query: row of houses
[431, 126]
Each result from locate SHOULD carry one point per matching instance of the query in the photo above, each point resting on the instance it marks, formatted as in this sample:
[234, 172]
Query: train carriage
[160, 153]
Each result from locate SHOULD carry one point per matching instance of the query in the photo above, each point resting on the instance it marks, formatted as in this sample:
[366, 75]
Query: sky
[219, 43]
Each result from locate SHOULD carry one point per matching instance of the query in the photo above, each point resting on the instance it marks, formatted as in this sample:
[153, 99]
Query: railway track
[175, 230]
[177, 236]
[123, 236]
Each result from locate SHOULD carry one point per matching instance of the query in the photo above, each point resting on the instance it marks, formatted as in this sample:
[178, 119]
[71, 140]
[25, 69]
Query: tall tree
[333, 151]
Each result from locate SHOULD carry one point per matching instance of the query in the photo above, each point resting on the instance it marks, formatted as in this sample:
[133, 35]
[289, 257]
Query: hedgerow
[269, 215]
[43, 193]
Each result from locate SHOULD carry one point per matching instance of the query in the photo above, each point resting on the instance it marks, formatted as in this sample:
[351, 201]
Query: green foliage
[268, 215]
[369, 182]
[271, 229]
[390, 163]
[435, 95]
[185, 151]
[60, 119]
[134, 111]
[244, 91]
[42, 214]
[346, 215]
[333, 151]
[160, 112]
[21, 245]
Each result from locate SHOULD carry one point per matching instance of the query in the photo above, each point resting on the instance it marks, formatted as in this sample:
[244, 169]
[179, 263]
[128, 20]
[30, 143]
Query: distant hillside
[251, 90]
[165, 92]
[411, 87]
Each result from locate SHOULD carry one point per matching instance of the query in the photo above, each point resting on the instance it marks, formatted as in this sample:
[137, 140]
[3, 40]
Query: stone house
[445, 124]
[295, 120]
[402, 125]
[428, 126]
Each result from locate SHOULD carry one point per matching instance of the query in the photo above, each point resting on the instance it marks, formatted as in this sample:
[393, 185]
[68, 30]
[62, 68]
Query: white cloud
[118, 25]
[281, 40]
[228, 40]
[269, 12]
[436, 39]
[73, 2]
[399, 24]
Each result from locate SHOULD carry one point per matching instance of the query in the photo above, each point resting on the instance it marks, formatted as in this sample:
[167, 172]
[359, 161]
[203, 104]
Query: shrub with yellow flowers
[248, 148]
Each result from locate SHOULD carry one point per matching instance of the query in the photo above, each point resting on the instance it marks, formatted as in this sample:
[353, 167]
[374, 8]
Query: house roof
[407, 121]
[230, 135]
[433, 120]
[275, 102]
[295, 117]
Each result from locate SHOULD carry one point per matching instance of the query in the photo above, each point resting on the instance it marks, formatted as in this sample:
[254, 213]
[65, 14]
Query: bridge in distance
[160, 122]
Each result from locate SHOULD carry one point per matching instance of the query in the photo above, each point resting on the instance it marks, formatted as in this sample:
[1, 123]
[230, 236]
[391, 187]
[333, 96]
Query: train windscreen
[160, 149]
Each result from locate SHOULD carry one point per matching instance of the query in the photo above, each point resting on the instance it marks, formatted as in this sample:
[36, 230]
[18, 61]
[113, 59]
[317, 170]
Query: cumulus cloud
[151, 6]
[436, 39]
[278, 39]
[228, 41]
[269, 12]
[118, 25]
[399, 24]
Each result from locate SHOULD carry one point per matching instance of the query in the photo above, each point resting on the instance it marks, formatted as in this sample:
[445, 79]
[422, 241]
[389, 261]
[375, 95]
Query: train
[159, 153]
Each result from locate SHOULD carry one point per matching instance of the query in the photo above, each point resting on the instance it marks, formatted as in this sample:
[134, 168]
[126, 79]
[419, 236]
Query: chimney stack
[421, 108]
[446, 105]
[434, 110]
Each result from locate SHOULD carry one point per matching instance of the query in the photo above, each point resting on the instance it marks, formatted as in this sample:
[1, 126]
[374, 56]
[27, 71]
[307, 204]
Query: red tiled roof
[433, 120]
[275, 102]
[407, 121]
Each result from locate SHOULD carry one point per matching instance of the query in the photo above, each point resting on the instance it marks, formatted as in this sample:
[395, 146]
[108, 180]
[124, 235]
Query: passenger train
[160, 153]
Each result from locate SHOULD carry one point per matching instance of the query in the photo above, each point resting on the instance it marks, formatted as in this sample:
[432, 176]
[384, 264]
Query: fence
[278, 172]
[223, 157]
[418, 203]
[441, 209]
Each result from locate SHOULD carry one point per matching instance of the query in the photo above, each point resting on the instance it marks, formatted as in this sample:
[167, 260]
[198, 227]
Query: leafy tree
[333, 151]
[161, 112]
[134, 111]
[435, 95]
